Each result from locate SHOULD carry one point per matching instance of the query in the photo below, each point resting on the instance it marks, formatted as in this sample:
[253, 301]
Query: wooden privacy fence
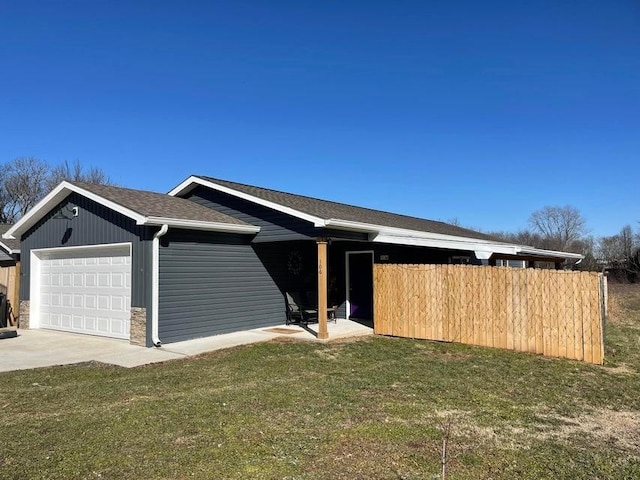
[10, 286]
[550, 312]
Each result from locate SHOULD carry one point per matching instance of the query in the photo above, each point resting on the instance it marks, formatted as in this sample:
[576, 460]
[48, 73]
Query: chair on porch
[297, 312]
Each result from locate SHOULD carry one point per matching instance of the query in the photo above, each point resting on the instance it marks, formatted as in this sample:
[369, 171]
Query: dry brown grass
[624, 304]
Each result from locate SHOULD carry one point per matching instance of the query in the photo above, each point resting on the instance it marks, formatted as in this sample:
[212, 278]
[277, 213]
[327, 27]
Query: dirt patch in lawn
[603, 427]
[622, 369]
[617, 428]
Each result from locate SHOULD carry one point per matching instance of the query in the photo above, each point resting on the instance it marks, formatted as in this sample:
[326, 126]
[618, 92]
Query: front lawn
[371, 408]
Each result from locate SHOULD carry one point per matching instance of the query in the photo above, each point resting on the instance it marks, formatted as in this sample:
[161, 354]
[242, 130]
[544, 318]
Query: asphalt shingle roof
[153, 204]
[326, 210]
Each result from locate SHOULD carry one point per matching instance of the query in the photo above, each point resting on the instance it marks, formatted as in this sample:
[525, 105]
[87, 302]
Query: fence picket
[551, 312]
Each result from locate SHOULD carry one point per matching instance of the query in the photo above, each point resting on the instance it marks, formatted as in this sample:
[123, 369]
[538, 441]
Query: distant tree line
[26, 180]
[565, 229]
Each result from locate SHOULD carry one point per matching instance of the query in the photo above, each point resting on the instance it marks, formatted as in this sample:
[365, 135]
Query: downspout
[155, 285]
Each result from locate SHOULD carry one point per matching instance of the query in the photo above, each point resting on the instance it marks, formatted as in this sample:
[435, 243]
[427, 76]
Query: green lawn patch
[371, 408]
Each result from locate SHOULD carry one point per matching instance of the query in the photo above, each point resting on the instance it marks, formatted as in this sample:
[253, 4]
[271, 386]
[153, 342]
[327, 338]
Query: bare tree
[26, 180]
[76, 172]
[24, 183]
[560, 227]
[619, 247]
[521, 237]
[627, 241]
[621, 254]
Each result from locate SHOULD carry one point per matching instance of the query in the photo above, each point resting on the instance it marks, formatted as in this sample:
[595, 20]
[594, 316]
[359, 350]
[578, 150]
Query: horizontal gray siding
[94, 225]
[211, 284]
[274, 226]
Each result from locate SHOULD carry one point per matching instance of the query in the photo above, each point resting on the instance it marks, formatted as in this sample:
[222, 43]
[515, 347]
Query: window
[460, 260]
[511, 263]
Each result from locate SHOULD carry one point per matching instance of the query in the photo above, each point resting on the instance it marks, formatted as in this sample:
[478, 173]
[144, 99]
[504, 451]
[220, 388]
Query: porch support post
[323, 334]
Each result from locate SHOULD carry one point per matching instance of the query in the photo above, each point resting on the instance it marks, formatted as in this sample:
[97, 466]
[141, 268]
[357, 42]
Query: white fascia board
[481, 250]
[9, 250]
[184, 187]
[381, 233]
[524, 250]
[56, 196]
[352, 226]
[65, 188]
[200, 225]
[377, 231]
[447, 244]
[190, 182]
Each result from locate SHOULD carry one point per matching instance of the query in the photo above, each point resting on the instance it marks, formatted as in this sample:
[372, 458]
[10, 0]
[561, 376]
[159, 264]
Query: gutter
[200, 225]
[155, 284]
[549, 253]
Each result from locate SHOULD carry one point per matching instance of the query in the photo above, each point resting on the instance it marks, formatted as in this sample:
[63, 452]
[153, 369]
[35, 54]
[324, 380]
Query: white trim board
[381, 233]
[64, 189]
[10, 251]
[191, 182]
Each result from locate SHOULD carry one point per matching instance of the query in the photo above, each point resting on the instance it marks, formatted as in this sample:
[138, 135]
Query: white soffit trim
[190, 183]
[483, 251]
[380, 230]
[381, 233]
[439, 240]
[524, 250]
[63, 190]
[448, 244]
[200, 225]
[54, 197]
[9, 250]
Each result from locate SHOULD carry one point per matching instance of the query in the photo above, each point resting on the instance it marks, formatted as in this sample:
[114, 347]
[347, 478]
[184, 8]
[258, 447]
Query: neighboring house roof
[11, 246]
[146, 208]
[383, 227]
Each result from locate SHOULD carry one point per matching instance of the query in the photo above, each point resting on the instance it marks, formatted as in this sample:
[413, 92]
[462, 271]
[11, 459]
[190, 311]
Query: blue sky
[480, 111]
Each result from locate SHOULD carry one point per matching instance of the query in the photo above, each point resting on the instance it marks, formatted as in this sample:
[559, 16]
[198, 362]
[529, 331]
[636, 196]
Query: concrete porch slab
[44, 348]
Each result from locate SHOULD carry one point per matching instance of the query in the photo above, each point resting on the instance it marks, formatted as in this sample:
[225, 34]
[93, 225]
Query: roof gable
[324, 212]
[145, 207]
[158, 205]
[383, 227]
[329, 210]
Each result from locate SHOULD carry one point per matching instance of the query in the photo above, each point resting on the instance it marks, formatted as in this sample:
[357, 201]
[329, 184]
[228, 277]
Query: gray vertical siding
[395, 253]
[274, 226]
[94, 225]
[212, 283]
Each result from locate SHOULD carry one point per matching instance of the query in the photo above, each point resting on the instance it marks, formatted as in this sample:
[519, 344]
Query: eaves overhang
[482, 248]
[9, 250]
[64, 189]
[194, 181]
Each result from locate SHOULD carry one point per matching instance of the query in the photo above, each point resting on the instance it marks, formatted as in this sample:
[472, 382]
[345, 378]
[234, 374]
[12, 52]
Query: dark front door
[361, 285]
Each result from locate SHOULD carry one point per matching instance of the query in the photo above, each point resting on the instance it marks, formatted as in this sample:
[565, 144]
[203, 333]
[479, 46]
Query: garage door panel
[90, 301]
[87, 291]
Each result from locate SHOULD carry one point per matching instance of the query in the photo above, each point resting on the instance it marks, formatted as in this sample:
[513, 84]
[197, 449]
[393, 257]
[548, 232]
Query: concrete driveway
[44, 348]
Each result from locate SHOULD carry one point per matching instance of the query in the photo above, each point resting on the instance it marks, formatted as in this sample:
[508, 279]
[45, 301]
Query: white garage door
[86, 291]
